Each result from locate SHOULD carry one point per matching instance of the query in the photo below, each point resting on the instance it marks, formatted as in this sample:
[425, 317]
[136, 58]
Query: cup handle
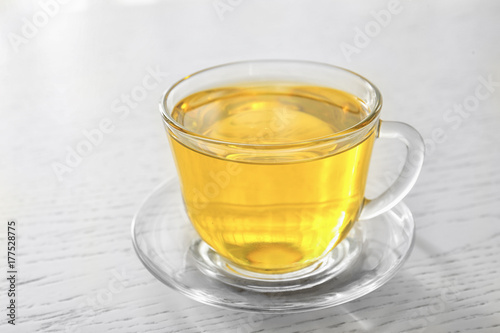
[408, 176]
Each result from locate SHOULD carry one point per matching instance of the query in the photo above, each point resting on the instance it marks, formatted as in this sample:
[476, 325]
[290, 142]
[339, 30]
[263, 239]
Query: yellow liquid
[266, 212]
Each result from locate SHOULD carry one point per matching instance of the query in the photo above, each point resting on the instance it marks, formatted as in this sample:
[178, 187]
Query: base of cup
[335, 262]
[166, 243]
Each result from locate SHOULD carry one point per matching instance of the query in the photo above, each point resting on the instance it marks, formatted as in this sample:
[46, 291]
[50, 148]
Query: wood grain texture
[77, 269]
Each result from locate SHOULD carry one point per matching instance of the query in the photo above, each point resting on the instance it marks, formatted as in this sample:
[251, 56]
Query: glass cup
[270, 206]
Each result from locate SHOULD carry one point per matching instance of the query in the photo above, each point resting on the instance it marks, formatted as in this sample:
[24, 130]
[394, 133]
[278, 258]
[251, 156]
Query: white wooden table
[86, 77]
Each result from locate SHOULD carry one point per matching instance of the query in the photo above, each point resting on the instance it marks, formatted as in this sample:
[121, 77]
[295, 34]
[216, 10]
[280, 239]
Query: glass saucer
[169, 247]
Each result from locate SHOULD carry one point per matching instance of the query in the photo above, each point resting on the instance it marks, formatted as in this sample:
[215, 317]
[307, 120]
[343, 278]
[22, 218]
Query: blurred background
[82, 144]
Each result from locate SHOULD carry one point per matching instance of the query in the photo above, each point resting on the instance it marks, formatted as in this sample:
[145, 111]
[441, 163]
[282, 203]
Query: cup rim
[371, 118]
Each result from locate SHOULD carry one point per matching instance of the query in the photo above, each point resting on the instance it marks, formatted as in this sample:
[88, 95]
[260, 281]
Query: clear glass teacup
[273, 159]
